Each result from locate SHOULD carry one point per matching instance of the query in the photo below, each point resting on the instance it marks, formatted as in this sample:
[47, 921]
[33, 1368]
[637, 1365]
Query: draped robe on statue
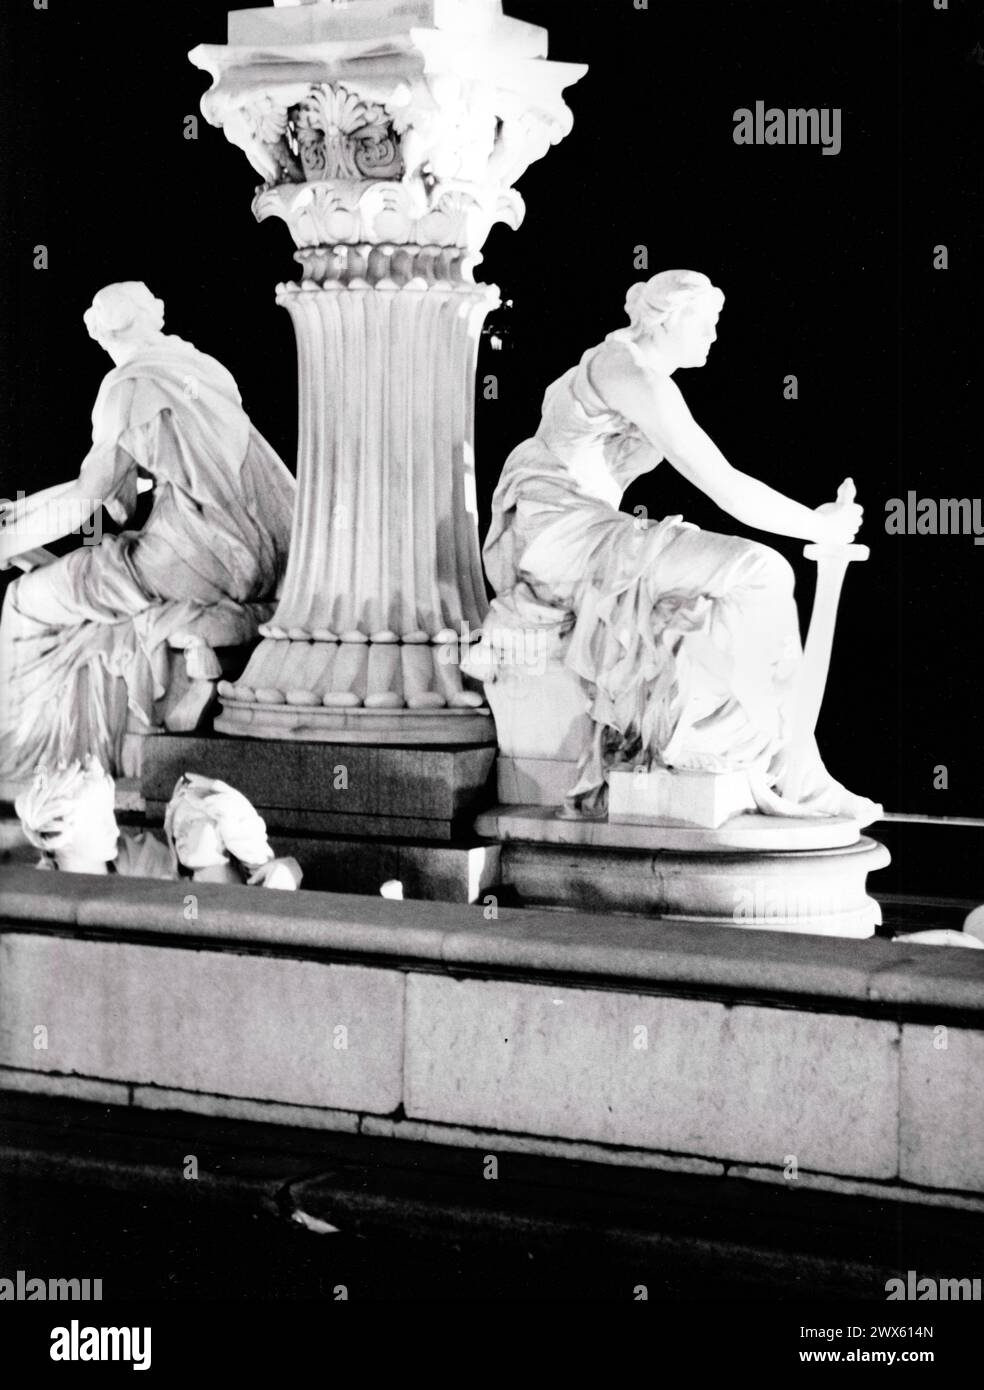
[687, 642]
[83, 640]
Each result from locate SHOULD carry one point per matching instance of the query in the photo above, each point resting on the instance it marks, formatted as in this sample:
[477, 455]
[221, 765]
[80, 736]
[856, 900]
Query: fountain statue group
[685, 643]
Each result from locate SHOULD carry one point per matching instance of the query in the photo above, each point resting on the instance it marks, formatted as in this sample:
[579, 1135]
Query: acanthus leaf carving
[259, 127]
[335, 212]
[431, 159]
[339, 135]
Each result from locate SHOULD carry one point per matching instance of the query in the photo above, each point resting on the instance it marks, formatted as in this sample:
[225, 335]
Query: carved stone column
[389, 134]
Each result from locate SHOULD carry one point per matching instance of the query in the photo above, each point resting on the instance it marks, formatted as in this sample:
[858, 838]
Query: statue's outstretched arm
[45, 516]
[656, 406]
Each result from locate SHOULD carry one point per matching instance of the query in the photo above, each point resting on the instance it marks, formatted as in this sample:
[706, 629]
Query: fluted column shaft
[384, 538]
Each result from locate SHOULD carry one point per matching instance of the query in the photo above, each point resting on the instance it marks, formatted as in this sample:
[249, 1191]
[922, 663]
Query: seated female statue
[687, 642]
[83, 638]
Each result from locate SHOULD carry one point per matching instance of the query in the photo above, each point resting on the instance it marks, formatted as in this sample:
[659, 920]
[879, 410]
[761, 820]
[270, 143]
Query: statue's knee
[773, 570]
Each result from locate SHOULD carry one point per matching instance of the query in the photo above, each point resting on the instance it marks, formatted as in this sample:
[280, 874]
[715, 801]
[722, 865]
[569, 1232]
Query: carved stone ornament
[340, 136]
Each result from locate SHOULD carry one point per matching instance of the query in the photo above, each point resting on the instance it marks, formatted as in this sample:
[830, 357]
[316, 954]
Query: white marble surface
[308, 21]
[389, 139]
[684, 645]
[699, 798]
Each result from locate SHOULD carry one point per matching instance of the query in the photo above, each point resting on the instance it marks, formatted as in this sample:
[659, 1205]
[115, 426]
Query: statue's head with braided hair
[68, 814]
[125, 317]
[677, 313]
[208, 822]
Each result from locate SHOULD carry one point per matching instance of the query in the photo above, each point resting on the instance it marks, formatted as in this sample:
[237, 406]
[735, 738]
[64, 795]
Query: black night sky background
[826, 262]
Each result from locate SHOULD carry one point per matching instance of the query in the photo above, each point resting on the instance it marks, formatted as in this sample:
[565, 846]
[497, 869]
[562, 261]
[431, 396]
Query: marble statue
[212, 833]
[84, 639]
[69, 815]
[687, 642]
[216, 833]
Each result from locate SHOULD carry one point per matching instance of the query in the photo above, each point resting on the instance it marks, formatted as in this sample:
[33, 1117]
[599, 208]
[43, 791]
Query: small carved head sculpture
[208, 823]
[677, 311]
[69, 815]
[123, 317]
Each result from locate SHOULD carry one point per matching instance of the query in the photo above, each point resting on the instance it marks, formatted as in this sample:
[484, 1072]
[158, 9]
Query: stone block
[534, 781]
[743, 1084]
[30, 894]
[666, 954]
[307, 21]
[696, 798]
[942, 1107]
[286, 921]
[261, 1027]
[649, 953]
[325, 782]
[948, 981]
[540, 707]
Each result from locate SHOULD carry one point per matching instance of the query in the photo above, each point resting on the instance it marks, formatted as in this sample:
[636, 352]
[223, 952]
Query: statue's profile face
[94, 834]
[690, 333]
[197, 841]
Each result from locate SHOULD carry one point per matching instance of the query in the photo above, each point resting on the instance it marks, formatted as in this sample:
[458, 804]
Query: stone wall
[853, 1066]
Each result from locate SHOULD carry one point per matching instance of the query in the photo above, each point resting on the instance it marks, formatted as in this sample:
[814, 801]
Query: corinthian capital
[411, 119]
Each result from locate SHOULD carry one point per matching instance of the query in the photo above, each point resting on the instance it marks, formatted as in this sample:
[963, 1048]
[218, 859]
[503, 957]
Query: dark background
[827, 264]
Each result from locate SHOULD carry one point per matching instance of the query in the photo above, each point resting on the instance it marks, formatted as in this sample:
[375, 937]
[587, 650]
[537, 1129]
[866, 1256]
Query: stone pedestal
[765, 872]
[333, 789]
[677, 845]
[389, 136]
[354, 817]
[540, 708]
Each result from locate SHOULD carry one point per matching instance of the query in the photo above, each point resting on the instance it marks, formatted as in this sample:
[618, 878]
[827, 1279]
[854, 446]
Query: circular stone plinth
[819, 892]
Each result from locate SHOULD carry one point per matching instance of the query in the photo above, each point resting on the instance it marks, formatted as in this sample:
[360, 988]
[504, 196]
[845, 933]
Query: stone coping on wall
[873, 977]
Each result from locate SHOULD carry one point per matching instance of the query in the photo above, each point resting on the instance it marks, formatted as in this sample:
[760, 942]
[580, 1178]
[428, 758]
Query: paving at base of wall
[440, 1214]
